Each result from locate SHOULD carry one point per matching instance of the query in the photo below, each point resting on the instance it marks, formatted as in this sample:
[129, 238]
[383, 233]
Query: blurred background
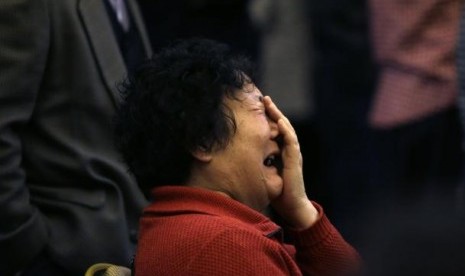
[371, 86]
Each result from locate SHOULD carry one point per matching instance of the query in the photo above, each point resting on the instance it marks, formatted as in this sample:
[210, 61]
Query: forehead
[249, 94]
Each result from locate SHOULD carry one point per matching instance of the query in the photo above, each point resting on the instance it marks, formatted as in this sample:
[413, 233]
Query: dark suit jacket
[63, 188]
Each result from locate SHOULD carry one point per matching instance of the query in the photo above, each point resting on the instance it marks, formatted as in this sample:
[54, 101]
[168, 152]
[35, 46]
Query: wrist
[302, 217]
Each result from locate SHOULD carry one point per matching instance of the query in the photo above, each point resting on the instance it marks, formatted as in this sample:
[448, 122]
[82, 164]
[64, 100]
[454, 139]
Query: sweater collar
[174, 200]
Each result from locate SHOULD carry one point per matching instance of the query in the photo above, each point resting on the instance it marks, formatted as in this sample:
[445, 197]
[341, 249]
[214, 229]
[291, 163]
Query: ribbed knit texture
[190, 231]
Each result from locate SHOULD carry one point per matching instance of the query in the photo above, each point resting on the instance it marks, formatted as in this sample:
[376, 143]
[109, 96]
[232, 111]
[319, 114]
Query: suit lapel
[134, 10]
[104, 44]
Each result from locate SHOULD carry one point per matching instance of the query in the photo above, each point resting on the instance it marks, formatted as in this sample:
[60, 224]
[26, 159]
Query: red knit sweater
[191, 231]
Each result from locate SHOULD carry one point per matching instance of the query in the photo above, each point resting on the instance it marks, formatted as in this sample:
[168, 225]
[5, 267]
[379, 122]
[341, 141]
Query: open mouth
[274, 160]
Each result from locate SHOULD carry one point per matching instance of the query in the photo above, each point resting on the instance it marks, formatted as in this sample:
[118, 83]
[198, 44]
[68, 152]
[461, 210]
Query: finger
[288, 133]
[274, 113]
[291, 150]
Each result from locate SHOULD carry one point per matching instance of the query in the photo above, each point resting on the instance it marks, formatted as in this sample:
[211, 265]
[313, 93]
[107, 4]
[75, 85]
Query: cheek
[271, 180]
[275, 189]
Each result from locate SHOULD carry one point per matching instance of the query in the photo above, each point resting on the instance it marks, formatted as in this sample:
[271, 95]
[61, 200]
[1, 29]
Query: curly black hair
[173, 105]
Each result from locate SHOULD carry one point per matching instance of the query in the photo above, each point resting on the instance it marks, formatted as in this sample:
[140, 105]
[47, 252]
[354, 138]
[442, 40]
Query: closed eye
[259, 109]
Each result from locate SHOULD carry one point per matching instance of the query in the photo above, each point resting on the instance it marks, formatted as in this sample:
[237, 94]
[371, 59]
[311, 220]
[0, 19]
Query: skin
[238, 171]
[293, 203]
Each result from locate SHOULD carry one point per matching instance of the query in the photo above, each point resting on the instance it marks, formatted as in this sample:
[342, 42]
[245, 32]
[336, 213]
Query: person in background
[66, 199]
[343, 81]
[418, 136]
[214, 153]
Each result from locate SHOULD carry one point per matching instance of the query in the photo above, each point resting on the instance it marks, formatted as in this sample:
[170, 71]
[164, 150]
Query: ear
[202, 155]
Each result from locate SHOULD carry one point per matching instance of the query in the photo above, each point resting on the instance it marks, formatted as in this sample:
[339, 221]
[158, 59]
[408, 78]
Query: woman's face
[250, 174]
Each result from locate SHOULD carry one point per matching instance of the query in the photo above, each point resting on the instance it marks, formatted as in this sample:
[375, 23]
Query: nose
[273, 128]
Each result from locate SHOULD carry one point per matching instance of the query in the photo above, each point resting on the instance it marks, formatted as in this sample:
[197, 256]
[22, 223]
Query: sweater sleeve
[321, 250]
